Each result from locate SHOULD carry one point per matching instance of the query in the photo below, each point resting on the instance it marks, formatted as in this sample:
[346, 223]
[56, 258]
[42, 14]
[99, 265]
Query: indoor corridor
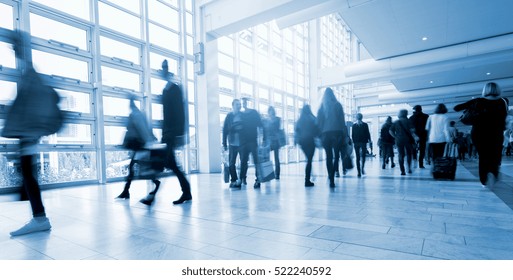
[381, 216]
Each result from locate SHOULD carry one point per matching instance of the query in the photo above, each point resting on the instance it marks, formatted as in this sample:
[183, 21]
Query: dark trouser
[332, 141]
[232, 155]
[309, 150]
[388, 152]
[171, 164]
[246, 149]
[32, 186]
[422, 151]
[438, 149]
[489, 149]
[360, 151]
[404, 148]
[277, 162]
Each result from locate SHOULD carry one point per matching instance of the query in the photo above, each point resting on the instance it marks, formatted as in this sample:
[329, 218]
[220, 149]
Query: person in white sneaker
[28, 120]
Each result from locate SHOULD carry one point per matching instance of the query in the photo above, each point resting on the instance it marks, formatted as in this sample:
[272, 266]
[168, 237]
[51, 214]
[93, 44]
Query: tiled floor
[380, 216]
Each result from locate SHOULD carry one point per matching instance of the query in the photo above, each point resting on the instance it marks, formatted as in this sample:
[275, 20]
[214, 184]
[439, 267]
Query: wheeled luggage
[445, 167]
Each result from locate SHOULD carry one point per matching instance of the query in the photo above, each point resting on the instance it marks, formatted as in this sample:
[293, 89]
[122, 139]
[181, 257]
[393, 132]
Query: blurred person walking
[387, 143]
[361, 137]
[332, 125]
[487, 130]
[272, 130]
[438, 131]
[137, 137]
[252, 125]
[419, 120]
[33, 114]
[232, 130]
[306, 131]
[173, 129]
[404, 133]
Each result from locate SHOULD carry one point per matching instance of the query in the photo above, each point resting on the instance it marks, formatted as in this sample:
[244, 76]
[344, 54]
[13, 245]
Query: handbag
[470, 115]
[265, 171]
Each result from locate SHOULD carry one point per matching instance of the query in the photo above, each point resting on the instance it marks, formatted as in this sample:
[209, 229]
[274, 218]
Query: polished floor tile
[381, 216]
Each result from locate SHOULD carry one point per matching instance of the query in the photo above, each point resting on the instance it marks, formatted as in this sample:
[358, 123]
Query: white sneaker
[34, 225]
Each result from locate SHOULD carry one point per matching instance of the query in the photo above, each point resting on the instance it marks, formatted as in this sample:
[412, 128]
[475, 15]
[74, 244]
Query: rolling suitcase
[445, 167]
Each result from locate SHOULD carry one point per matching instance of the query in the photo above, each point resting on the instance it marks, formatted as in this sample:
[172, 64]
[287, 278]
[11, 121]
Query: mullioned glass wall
[272, 68]
[97, 53]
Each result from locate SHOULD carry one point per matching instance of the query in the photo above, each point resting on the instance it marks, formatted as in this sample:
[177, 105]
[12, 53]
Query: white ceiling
[469, 42]
[392, 30]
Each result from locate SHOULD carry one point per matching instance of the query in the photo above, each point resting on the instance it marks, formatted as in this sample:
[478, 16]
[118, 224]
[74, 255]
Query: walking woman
[438, 131]
[305, 132]
[332, 125]
[387, 142]
[487, 131]
[272, 125]
[404, 133]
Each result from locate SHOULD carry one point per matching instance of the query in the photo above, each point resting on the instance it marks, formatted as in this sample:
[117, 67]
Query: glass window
[262, 108]
[131, 5]
[117, 163]
[225, 44]
[49, 29]
[164, 38]
[163, 14]
[174, 3]
[6, 17]
[246, 88]
[191, 95]
[114, 135]
[189, 20]
[113, 48]
[74, 101]
[117, 106]
[7, 92]
[52, 64]
[71, 133]
[190, 69]
[192, 138]
[78, 8]
[157, 85]
[192, 116]
[225, 101]
[246, 53]
[225, 62]
[263, 93]
[118, 20]
[190, 45]
[156, 62]
[278, 98]
[246, 70]
[226, 82]
[118, 78]
[157, 112]
[7, 57]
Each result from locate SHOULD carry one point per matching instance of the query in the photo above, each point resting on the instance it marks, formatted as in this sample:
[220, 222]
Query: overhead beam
[225, 17]
[314, 12]
[455, 57]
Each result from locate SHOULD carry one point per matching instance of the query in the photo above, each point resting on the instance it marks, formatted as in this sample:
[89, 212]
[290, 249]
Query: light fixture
[431, 82]
[488, 73]
[424, 38]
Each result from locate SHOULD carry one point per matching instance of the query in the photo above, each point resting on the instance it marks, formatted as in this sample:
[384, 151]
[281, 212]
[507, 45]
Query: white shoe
[34, 225]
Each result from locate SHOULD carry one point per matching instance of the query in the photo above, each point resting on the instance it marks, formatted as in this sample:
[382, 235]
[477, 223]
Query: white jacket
[438, 128]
